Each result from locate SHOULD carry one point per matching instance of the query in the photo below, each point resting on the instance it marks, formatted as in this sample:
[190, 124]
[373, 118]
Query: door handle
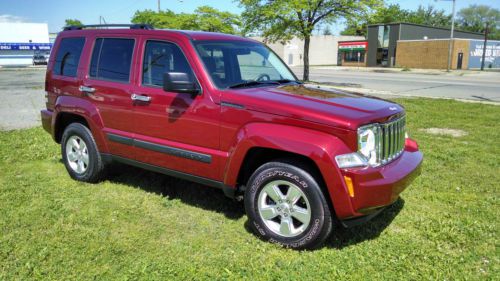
[143, 98]
[86, 89]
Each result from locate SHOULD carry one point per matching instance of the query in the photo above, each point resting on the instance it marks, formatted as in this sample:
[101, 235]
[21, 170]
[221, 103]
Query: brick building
[433, 53]
[383, 42]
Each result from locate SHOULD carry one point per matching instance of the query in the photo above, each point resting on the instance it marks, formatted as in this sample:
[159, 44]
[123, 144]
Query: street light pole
[159, 6]
[450, 44]
[484, 46]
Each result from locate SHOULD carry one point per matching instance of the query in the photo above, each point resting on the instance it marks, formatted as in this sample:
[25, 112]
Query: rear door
[108, 84]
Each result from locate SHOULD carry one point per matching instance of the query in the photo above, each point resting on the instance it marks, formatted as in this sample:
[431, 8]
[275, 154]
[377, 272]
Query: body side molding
[188, 154]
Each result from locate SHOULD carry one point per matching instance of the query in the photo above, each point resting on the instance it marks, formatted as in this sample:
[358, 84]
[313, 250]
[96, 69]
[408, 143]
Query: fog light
[350, 187]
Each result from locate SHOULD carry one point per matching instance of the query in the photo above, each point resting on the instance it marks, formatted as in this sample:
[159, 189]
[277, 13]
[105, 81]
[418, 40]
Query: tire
[80, 155]
[285, 205]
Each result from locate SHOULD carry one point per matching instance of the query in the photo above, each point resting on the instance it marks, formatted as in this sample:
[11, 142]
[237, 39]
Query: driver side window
[161, 57]
[253, 64]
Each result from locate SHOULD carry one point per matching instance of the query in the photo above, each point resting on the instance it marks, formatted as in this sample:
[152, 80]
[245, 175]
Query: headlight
[368, 142]
[350, 160]
[368, 149]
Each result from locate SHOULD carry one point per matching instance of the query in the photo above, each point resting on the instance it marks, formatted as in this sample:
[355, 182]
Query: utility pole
[485, 43]
[450, 44]
[159, 6]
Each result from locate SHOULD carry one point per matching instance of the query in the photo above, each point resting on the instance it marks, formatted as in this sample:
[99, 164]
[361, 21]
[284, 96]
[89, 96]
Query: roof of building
[422, 25]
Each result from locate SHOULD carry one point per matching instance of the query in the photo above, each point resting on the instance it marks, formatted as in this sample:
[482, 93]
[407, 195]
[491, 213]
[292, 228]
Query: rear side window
[161, 57]
[68, 56]
[111, 59]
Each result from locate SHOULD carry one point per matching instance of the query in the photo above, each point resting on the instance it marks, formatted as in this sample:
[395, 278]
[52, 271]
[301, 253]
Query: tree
[210, 19]
[382, 14]
[394, 13]
[72, 22]
[327, 30]
[430, 16]
[475, 17]
[204, 18]
[281, 20]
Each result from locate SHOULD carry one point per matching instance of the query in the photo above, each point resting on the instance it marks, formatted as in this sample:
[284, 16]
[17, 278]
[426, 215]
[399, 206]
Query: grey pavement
[22, 94]
[467, 85]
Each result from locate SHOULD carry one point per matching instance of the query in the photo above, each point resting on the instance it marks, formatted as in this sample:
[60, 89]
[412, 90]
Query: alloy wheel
[284, 208]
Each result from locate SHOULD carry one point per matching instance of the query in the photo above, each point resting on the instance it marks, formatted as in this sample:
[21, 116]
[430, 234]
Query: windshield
[234, 64]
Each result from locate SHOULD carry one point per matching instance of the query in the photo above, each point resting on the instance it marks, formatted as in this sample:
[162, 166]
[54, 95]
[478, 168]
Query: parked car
[39, 59]
[226, 112]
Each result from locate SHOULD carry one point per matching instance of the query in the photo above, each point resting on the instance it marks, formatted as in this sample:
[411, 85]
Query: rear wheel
[80, 155]
[285, 205]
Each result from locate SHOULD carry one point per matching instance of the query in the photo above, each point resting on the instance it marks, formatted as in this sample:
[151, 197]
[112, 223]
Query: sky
[54, 12]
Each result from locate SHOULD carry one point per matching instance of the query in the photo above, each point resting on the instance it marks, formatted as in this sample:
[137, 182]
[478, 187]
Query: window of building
[111, 59]
[352, 56]
[161, 57]
[68, 56]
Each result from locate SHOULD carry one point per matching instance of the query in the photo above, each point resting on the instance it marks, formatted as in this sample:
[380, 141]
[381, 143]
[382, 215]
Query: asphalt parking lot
[23, 95]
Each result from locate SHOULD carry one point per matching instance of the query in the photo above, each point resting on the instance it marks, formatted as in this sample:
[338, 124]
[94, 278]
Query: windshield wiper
[252, 83]
[283, 81]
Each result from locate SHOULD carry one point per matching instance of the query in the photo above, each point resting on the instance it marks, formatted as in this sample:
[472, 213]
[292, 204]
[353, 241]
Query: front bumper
[377, 187]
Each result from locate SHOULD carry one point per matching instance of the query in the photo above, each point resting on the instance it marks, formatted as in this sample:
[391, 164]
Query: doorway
[459, 61]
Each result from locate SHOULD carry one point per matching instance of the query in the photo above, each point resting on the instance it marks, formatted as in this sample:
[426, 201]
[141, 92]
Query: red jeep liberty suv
[226, 112]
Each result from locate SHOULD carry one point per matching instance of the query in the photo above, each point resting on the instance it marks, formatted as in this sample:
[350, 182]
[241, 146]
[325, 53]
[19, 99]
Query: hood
[318, 104]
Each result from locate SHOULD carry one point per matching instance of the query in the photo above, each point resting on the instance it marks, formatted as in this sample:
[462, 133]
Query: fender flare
[318, 146]
[86, 110]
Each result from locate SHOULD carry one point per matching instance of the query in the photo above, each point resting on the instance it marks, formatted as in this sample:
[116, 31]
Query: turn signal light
[350, 187]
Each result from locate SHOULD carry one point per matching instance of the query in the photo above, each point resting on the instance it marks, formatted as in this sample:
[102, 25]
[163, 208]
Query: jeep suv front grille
[392, 139]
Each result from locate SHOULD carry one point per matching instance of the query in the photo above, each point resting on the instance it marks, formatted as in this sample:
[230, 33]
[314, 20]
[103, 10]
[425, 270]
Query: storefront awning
[353, 46]
[26, 46]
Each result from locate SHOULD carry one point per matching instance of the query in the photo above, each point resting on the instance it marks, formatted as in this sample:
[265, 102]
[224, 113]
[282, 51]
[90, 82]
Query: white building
[20, 41]
[323, 49]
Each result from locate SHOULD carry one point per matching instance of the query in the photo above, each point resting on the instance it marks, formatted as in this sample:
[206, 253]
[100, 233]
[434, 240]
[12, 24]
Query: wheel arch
[69, 110]
[259, 143]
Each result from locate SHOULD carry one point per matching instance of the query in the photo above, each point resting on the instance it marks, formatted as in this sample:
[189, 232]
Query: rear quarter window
[68, 56]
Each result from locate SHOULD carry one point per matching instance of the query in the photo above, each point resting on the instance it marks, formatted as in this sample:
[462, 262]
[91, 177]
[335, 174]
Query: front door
[176, 131]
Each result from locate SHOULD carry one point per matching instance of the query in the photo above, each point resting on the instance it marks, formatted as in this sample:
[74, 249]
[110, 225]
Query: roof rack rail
[131, 26]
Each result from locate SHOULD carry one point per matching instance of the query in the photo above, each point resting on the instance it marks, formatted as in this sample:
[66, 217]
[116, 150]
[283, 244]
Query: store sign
[353, 46]
[26, 46]
[491, 56]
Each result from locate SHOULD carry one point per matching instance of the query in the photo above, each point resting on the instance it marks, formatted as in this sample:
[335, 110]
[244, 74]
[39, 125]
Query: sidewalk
[462, 72]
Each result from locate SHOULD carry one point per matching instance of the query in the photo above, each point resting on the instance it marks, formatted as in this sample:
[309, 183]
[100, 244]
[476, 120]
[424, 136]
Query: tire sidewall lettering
[317, 224]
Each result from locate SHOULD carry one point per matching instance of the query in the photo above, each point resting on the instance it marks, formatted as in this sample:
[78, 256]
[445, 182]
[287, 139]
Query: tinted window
[68, 56]
[161, 57]
[111, 59]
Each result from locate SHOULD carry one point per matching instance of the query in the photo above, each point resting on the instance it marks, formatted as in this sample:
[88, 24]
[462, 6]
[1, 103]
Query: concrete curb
[410, 71]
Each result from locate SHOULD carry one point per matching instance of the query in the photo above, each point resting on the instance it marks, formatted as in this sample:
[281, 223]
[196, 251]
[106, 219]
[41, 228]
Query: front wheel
[285, 205]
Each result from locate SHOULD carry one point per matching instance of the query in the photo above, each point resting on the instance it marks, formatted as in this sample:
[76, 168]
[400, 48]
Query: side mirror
[179, 82]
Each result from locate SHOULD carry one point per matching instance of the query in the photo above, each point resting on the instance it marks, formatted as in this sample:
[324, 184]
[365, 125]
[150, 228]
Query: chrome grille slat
[386, 143]
[392, 140]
